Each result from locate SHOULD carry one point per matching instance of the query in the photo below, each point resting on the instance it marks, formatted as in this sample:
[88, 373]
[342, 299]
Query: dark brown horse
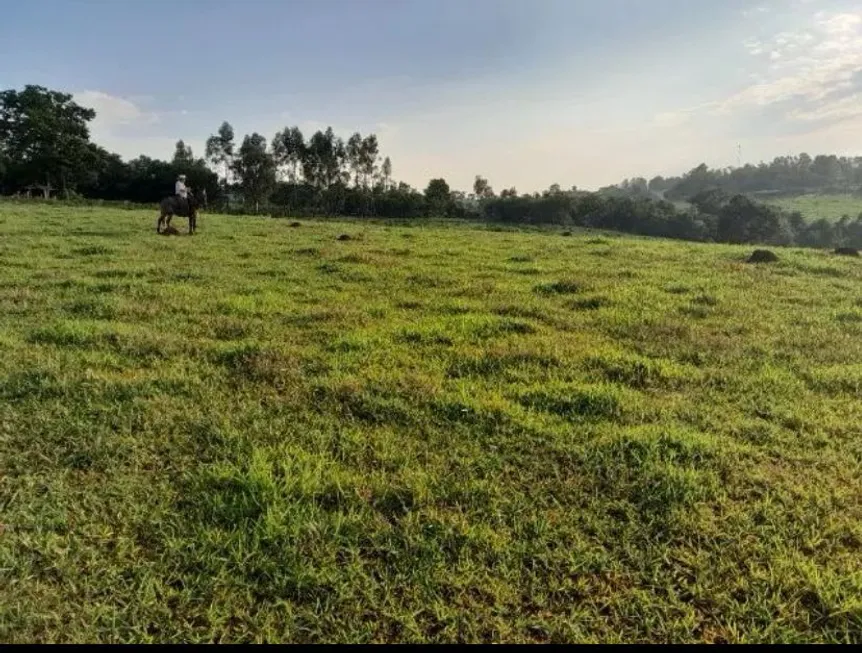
[173, 205]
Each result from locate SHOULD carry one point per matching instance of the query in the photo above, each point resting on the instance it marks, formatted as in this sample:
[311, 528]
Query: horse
[171, 206]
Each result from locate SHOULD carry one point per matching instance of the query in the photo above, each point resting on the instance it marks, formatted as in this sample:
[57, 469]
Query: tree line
[712, 215]
[45, 148]
[785, 175]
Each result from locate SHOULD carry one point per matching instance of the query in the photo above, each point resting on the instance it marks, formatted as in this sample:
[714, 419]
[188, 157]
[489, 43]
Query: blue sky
[525, 92]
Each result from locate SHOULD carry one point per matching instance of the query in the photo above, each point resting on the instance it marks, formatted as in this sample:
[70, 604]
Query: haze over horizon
[525, 93]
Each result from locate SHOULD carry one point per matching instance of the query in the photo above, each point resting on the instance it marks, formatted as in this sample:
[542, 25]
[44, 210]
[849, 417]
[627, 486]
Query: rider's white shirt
[181, 190]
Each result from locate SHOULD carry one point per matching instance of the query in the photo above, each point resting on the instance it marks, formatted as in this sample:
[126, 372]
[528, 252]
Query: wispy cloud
[112, 111]
[808, 65]
[811, 72]
[843, 109]
[122, 125]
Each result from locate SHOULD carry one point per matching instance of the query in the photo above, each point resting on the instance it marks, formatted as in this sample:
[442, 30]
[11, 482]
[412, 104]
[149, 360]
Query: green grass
[422, 434]
[814, 207]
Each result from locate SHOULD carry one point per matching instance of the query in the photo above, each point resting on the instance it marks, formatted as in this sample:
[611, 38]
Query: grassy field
[815, 207]
[422, 434]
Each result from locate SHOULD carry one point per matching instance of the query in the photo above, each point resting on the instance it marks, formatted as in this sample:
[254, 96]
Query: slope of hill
[422, 433]
[815, 206]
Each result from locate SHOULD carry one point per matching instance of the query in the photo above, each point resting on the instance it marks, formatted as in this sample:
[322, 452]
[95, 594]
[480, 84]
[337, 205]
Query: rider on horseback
[182, 193]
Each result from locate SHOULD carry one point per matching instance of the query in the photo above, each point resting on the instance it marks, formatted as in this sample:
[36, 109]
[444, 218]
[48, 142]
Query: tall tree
[438, 197]
[482, 189]
[288, 149]
[255, 168]
[386, 171]
[44, 136]
[324, 161]
[183, 156]
[220, 148]
[368, 150]
[354, 155]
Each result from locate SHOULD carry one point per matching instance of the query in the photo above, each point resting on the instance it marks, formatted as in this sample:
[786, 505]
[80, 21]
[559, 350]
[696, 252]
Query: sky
[526, 93]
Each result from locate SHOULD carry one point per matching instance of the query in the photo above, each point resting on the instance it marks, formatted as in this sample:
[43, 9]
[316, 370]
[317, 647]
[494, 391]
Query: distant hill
[788, 176]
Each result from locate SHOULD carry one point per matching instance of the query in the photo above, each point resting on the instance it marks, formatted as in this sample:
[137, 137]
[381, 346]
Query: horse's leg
[159, 223]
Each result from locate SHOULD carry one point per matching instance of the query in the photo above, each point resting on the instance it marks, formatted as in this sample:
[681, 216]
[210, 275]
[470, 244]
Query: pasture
[423, 433]
[816, 206]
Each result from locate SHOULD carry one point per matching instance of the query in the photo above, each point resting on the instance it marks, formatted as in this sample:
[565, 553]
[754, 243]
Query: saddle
[183, 207]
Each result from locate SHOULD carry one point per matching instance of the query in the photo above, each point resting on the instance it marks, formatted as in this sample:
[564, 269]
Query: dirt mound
[344, 237]
[762, 256]
[566, 233]
[170, 231]
[295, 224]
[846, 251]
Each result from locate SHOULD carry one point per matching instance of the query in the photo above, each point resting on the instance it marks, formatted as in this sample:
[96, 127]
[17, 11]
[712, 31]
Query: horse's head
[194, 204]
[199, 200]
